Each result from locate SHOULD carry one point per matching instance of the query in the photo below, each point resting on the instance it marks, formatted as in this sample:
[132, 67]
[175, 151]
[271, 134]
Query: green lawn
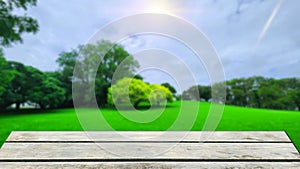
[234, 118]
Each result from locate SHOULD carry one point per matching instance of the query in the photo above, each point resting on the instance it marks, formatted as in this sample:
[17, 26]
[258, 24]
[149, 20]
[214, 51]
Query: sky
[250, 37]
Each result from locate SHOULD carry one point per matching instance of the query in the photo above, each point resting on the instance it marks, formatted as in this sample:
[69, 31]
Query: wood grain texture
[149, 151]
[219, 136]
[143, 165]
[222, 149]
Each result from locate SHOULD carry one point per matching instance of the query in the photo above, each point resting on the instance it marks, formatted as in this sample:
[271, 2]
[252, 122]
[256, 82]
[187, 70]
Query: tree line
[25, 84]
[21, 84]
[259, 92]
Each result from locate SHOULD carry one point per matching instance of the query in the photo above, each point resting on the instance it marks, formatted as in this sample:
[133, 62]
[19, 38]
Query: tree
[7, 75]
[238, 91]
[288, 100]
[244, 91]
[12, 26]
[24, 79]
[170, 87]
[135, 91]
[218, 92]
[138, 76]
[297, 99]
[128, 90]
[197, 93]
[205, 92]
[29, 85]
[66, 63]
[114, 58]
[160, 94]
[252, 92]
[191, 94]
[269, 96]
[48, 94]
[238, 97]
[18, 87]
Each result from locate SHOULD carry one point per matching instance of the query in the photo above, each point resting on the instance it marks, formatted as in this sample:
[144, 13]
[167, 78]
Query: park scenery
[49, 72]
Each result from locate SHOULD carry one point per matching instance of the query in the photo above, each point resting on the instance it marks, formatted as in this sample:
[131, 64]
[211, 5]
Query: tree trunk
[136, 104]
[18, 106]
[42, 106]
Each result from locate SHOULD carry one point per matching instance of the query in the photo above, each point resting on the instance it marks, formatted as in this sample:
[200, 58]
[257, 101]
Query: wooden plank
[201, 151]
[142, 165]
[218, 136]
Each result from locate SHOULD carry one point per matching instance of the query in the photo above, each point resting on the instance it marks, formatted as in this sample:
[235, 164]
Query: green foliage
[29, 85]
[48, 94]
[135, 91]
[66, 63]
[11, 25]
[197, 93]
[17, 89]
[160, 94]
[170, 87]
[6, 75]
[128, 90]
[244, 92]
[254, 92]
[24, 84]
[205, 92]
[279, 94]
[191, 94]
[89, 69]
[138, 76]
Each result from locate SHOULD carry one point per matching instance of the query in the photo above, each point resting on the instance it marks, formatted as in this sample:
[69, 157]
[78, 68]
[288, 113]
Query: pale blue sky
[251, 37]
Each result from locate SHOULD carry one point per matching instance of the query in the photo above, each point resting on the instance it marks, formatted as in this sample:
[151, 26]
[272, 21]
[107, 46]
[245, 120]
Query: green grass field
[233, 119]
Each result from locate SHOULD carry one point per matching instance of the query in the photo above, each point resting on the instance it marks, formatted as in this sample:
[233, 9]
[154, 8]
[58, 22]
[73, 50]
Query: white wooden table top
[144, 149]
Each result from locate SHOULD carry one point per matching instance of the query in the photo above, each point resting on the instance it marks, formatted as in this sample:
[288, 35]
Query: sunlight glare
[160, 7]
